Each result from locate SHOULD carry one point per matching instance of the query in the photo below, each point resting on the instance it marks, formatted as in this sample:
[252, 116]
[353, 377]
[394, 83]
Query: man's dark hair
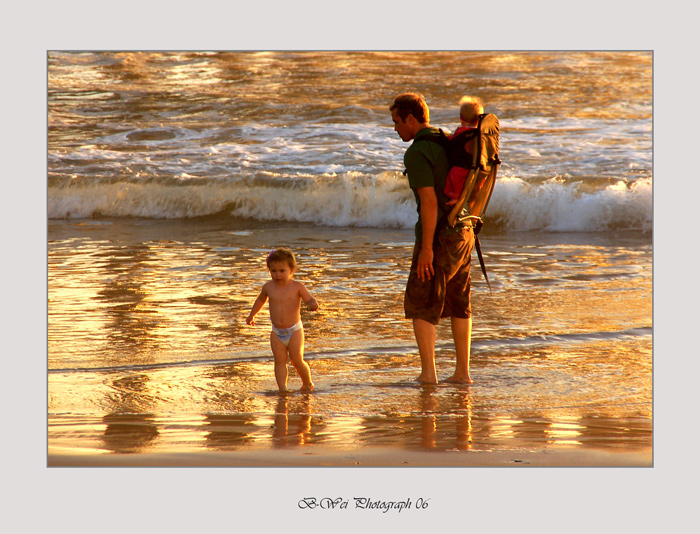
[411, 104]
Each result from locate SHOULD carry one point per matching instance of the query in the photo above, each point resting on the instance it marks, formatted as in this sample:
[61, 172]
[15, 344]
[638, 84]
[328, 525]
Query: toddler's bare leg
[296, 354]
[279, 351]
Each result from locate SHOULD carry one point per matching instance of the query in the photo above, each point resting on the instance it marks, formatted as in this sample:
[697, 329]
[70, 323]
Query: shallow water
[171, 175]
[148, 347]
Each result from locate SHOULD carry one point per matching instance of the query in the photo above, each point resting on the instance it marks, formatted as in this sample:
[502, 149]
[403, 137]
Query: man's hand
[425, 265]
[428, 215]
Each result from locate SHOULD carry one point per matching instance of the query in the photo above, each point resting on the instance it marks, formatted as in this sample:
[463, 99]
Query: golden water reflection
[121, 303]
[129, 433]
[148, 347]
[443, 422]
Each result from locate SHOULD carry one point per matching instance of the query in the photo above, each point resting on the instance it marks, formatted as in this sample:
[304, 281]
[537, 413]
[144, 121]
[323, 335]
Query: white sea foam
[358, 199]
[266, 138]
[351, 199]
[560, 206]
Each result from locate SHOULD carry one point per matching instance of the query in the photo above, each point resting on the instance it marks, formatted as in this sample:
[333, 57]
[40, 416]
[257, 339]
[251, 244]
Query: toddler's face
[280, 272]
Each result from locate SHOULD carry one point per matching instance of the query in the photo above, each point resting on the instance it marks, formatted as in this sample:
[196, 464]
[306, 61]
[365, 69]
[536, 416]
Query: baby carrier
[475, 149]
[483, 167]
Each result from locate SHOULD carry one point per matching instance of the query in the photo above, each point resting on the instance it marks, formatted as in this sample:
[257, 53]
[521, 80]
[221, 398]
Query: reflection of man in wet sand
[439, 282]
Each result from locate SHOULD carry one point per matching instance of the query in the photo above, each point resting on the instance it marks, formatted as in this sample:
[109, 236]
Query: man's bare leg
[426, 334]
[462, 334]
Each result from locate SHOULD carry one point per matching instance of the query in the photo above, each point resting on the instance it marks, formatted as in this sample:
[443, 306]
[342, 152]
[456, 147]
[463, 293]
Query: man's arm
[428, 217]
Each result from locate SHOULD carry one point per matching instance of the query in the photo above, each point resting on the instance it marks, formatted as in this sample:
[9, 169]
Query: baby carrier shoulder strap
[481, 179]
[439, 138]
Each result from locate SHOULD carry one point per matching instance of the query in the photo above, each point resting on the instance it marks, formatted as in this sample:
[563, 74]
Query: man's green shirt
[426, 166]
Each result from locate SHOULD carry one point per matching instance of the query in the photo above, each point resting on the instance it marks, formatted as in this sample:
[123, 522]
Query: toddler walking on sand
[287, 336]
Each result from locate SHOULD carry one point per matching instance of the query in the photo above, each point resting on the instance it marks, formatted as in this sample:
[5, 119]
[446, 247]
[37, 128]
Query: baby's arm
[310, 302]
[257, 306]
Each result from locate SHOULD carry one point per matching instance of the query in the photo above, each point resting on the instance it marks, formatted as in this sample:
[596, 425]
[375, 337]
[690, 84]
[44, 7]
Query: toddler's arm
[257, 306]
[310, 302]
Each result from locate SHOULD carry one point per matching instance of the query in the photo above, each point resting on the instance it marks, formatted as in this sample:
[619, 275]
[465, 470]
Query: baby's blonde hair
[470, 107]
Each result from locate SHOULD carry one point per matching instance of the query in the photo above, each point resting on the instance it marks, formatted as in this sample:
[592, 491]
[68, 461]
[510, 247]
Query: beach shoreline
[363, 457]
[152, 363]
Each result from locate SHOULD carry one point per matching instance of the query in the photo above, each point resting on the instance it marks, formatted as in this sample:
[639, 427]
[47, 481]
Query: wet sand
[367, 457]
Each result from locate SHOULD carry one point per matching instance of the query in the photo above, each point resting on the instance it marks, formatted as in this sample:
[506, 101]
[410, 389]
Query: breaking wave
[356, 199]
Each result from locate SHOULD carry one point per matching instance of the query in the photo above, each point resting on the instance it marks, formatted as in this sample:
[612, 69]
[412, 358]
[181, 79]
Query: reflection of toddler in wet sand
[470, 108]
[287, 337]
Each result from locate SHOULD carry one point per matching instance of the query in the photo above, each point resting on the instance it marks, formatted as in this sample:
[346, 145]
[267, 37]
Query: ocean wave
[560, 205]
[355, 199]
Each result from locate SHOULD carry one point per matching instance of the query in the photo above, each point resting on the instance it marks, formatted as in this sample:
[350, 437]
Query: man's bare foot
[307, 388]
[454, 379]
[427, 381]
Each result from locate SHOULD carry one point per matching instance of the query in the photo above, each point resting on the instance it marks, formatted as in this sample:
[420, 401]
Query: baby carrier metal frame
[483, 144]
[480, 181]
[478, 187]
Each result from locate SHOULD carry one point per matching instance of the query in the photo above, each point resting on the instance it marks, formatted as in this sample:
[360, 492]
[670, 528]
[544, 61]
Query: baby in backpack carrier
[470, 108]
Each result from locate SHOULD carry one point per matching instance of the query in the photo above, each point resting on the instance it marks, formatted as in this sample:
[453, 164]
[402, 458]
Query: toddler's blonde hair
[470, 107]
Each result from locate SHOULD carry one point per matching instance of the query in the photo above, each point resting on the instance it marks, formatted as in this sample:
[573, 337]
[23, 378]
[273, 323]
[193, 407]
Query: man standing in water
[439, 282]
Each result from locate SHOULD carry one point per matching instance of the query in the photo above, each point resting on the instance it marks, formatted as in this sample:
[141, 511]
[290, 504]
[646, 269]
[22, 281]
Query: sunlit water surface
[171, 175]
[149, 350]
